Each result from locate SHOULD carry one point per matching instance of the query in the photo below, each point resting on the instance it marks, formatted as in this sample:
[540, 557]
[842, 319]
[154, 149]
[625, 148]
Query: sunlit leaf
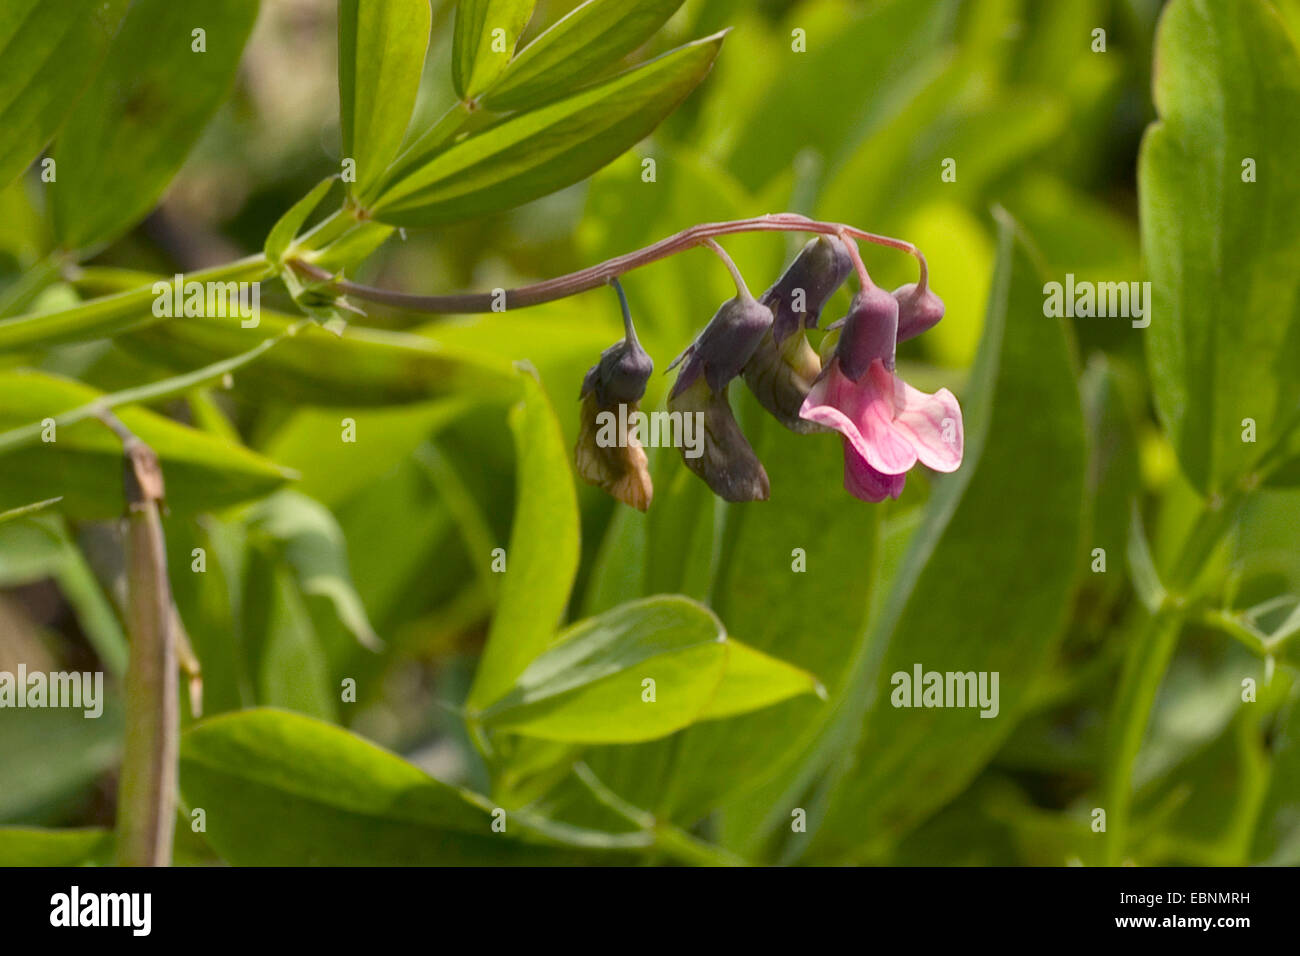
[531, 154]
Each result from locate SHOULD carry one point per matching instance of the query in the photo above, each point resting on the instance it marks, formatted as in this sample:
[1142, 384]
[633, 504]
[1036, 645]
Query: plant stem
[742, 290]
[1146, 663]
[594, 276]
[670, 839]
[166, 388]
[146, 795]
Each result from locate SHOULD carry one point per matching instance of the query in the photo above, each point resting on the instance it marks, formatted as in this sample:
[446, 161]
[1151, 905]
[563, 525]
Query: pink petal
[863, 481]
[863, 413]
[932, 426]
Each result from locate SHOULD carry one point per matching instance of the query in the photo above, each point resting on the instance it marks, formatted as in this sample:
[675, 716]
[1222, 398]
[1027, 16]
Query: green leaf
[1277, 836]
[1021, 488]
[282, 789]
[542, 558]
[485, 38]
[288, 225]
[583, 42]
[131, 131]
[287, 659]
[382, 44]
[867, 52]
[1224, 340]
[314, 548]
[815, 619]
[23, 511]
[531, 154]
[30, 846]
[50, 53]
[84, 462]
[39, 547]
[364, 366]
[51, 756]
[111, 314]
[588, 687]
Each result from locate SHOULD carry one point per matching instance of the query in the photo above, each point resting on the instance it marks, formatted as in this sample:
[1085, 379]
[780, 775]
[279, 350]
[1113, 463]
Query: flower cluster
[886, 425]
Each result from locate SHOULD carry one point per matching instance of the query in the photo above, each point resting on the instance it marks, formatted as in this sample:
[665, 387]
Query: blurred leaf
[362, 367]
[814, 619]
[282, 789]
[484, 41]
[382, 44]
[531, 154]
[287, 660]
[1113, 479]
[577, 47]
[985, 137]
[131, 131]
[1224, 341]
[49, 756]
[1277, 838]
[42, 547]
[84, 463]
[588, 686]
[542, 558]
[111, 314]
[51, 51]
[313, 547]
[946, 610]
[333, 470]
[28, 846]
[867, 56]
[23, 511]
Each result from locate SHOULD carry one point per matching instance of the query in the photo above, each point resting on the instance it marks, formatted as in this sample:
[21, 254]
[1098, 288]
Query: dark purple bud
[719, 452]
[725, 345]
[797, 298]
[917, 312]
[620, 376]
[870, 332]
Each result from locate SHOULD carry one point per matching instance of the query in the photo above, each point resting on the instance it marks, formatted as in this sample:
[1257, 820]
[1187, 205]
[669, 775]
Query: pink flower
[888, 426]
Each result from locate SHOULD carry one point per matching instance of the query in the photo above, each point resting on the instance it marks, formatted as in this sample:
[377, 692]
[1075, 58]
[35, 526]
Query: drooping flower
[619, 378]
[784, 366]
[888, 426]
[725, 459]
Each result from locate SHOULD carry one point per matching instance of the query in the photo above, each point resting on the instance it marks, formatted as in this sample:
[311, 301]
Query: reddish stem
[598, 275]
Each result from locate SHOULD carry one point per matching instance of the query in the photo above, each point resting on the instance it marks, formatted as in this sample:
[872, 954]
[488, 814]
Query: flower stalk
[595, 276]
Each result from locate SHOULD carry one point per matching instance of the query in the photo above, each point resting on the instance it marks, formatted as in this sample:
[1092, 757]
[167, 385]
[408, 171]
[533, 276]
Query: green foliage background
[327, 562]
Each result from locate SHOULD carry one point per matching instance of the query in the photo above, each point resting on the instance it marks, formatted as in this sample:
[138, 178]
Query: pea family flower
[784, 366]
[888, 426]
[619, 378]
[727, 462]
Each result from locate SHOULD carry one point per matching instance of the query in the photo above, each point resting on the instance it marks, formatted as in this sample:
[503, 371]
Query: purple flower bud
[724, 458]
[725, 345]
[917, 313]
[780, 376]
[621, 374]
[797, 298]
[870, 332]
